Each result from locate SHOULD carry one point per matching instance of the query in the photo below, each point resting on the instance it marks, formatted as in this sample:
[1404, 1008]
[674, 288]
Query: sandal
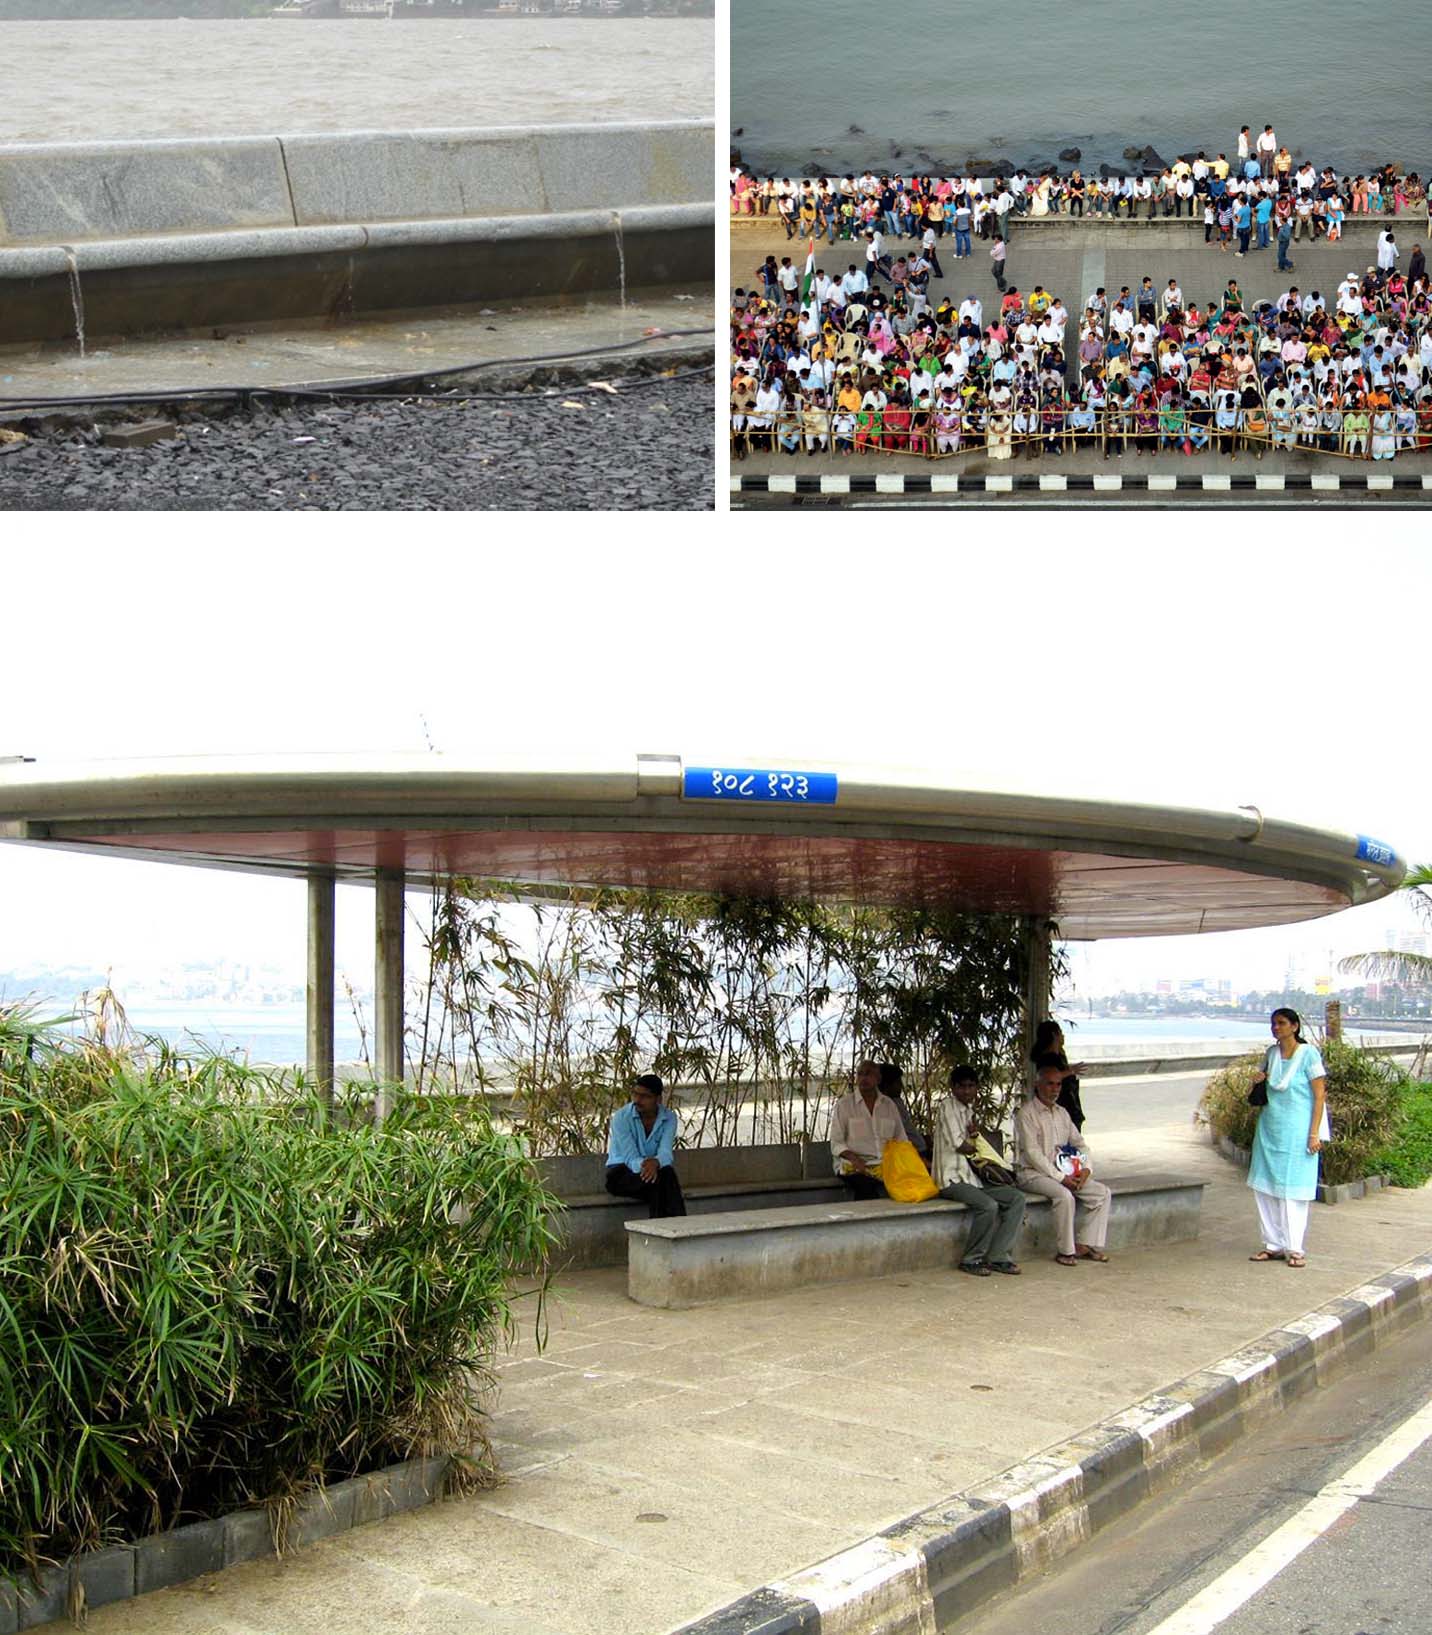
[1086, 1253]
[1268, 1254]
[1066, 1260]
[1297, 1260]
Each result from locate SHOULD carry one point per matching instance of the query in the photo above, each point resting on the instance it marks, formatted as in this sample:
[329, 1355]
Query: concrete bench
[171, 235]
[592, 1227]
[738, 1254]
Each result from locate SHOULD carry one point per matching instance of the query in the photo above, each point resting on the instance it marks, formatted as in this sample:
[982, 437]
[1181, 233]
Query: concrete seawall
[142, 237]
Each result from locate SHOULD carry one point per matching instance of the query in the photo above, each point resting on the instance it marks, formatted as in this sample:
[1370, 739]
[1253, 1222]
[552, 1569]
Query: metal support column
[1037, 957]
[388, 986]
[320, 983]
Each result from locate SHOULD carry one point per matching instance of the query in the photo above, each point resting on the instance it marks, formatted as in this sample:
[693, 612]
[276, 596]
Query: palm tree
[1388, 965]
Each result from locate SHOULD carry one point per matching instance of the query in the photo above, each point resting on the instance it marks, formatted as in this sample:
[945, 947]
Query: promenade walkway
[657, 1464]
[1071, 259]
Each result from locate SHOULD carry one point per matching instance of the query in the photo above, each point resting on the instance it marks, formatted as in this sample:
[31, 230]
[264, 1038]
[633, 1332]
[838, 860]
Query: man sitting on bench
[996, 1208]
[863, 1121]
[1045, 1135]
[639, 1157]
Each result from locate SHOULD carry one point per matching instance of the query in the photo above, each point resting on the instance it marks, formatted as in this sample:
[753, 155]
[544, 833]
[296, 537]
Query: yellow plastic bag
[904, 1174]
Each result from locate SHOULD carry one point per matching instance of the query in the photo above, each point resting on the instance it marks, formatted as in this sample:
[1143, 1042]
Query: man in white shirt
[997, 1209]
[972, 309]
[769, 402]
[855, 282]
[1267, 150]
[1043, 1130]
[863, 1121]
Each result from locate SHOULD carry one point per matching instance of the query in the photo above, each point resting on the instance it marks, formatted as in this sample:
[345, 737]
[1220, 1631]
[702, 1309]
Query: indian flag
[808, 278]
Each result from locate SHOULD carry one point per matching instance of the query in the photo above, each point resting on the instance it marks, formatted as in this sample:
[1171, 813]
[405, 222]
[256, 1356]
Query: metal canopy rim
[1102, 867]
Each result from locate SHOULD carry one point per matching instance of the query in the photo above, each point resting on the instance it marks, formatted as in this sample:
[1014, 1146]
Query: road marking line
[1227, 1593]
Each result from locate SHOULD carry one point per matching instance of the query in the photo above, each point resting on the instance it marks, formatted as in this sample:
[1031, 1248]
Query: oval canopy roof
[846, 834]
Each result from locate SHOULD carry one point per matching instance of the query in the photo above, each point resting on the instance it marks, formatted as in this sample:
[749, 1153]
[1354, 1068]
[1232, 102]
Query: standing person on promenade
[1049, 1040]
[1291, 1130]
[1267, 150]
[964, 215]
[1387, 250]
[1263, 216]
[997, 256]
[1285, 239]
[996, 1205]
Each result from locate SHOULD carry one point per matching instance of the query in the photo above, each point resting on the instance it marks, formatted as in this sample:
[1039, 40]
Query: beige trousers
[1093, 1201]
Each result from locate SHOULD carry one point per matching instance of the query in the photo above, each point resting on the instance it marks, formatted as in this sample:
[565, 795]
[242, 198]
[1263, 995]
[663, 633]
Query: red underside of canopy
[1091, 895]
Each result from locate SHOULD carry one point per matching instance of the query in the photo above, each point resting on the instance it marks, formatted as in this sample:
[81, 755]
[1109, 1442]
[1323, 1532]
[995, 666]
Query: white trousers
[1284, 1222]
[1093, 1204]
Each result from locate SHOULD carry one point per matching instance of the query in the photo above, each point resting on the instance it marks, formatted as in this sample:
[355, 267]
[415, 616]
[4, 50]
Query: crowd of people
[1049, 1157]
[1316, 199]
[869, 358]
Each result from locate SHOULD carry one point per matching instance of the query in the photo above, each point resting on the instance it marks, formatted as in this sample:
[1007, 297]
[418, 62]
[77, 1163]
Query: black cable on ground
[538, 397]
[341, 389]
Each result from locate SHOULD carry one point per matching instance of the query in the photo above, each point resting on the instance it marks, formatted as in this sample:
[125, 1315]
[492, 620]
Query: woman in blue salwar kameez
[1291, 1131]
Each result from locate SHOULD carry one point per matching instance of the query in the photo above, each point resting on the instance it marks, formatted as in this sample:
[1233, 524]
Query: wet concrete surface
[347, 350]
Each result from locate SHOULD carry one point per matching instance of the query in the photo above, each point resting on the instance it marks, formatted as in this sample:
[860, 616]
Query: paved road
[1367, 1575]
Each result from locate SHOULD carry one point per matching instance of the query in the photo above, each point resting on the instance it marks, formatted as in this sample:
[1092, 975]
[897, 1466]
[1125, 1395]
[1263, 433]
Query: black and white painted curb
[166, 1559]
[935, 1567]
[1056, 482]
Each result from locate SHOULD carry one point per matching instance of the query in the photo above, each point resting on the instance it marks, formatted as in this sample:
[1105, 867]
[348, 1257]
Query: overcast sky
[1271, 658]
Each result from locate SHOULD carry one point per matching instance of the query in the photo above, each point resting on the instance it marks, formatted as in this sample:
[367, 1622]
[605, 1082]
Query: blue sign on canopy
[758, 783]
[1374, 851]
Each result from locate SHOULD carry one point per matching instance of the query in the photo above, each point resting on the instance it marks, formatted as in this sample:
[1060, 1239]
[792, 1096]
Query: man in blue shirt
[639, 1155]
[1264, 216]
[1243, 220]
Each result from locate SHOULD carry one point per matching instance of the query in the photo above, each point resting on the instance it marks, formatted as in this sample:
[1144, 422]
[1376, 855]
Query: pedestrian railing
[1113, 433]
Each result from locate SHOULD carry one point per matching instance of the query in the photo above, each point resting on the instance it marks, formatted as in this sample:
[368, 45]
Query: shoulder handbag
[989, 1167]
[1258, 1095]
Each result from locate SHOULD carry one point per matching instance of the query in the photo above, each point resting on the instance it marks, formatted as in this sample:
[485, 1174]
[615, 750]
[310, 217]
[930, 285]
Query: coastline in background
[274, 1034]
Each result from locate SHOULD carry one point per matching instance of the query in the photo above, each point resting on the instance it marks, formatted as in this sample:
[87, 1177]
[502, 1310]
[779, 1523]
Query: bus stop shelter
[1089, 866]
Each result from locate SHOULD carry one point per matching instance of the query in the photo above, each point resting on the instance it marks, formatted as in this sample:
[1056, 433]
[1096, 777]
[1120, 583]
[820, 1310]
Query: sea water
[92, 81]
[945, 80]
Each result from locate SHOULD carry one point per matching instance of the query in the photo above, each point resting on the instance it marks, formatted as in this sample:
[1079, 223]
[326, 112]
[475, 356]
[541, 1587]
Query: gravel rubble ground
[632, 444]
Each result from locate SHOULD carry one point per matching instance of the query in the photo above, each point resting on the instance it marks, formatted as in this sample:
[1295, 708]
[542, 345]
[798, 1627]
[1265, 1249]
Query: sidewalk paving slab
[658, 1465]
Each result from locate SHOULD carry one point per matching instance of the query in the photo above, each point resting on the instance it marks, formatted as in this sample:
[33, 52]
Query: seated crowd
[861, 361]
[1051, 1159]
